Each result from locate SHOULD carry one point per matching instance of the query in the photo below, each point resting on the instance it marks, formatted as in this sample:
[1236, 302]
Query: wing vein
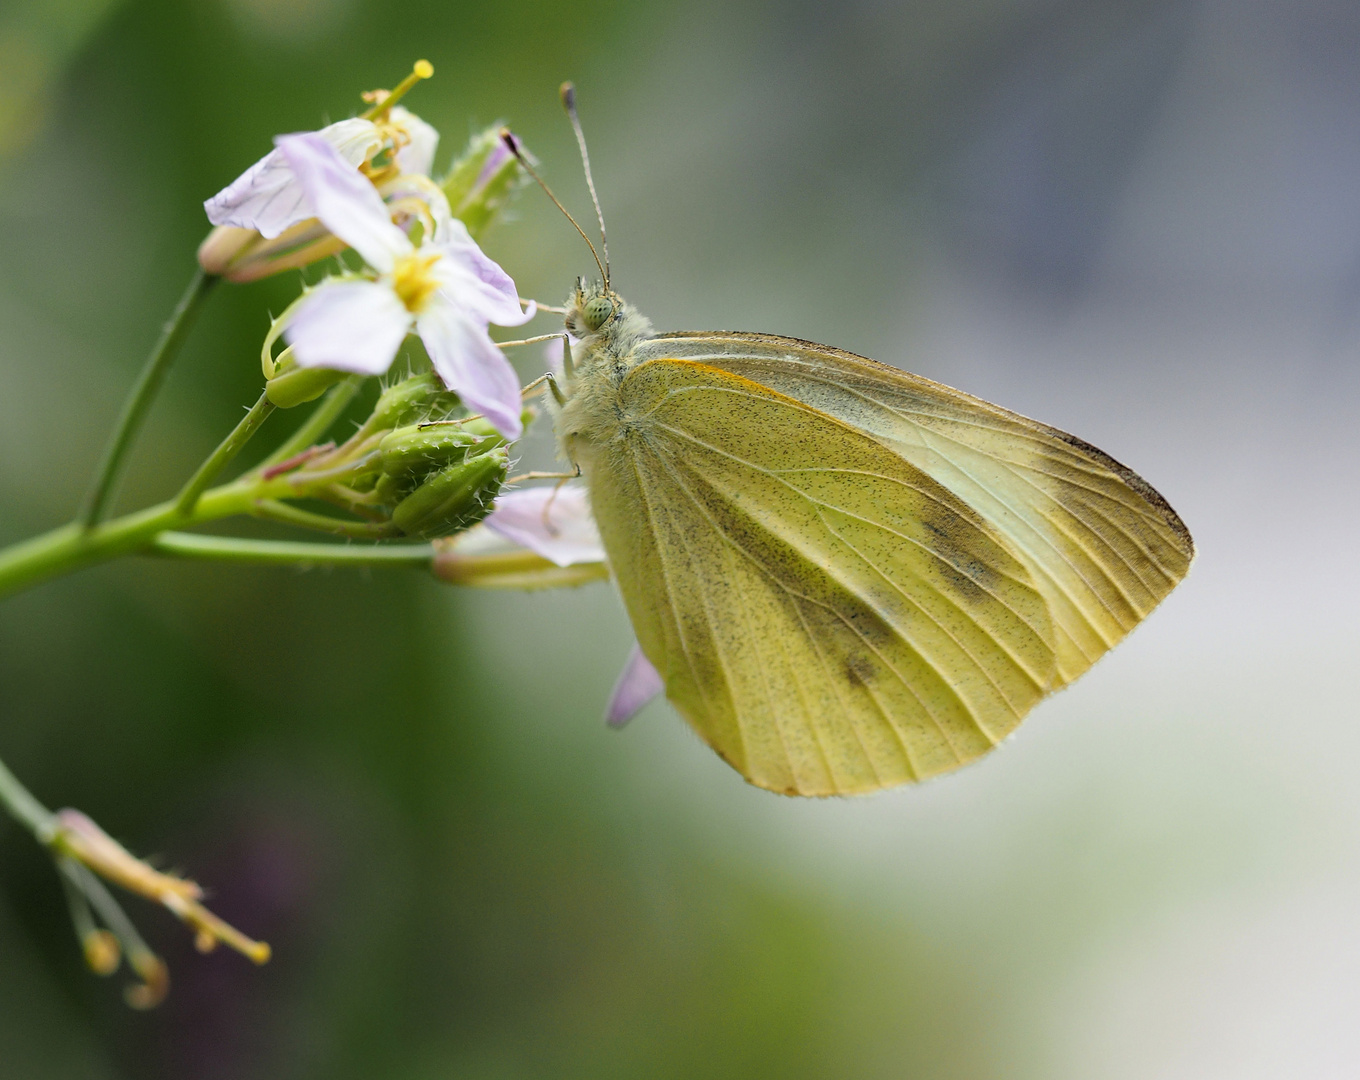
[945, 682]
[675, 611]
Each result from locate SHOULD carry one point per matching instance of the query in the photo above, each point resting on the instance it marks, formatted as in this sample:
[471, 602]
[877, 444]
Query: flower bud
[423, 448]
[242, 255]
[482, 181]
[297, 386]
[102, 952]
[454, 498]
[420, 397]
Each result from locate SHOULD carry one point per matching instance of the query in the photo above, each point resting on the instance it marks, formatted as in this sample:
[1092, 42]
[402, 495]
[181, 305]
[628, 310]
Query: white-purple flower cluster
[441, 285]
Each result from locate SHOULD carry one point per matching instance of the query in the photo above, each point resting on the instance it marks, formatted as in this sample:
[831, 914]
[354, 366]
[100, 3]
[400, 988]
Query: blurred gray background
[1139, 221]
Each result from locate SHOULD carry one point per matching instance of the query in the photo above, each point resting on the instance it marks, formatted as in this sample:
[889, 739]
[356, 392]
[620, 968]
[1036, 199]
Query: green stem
[273, 510]
[24, 808]
[220, 458]
[143, 394]
[327, 413]
[289, 552]
[72, 547]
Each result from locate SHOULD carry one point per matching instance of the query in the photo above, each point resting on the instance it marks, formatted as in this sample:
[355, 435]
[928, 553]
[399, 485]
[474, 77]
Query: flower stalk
[139, 401]
[420, 466]
[84, 853]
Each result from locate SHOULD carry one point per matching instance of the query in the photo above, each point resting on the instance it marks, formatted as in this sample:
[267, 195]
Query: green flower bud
[419, 448]
[421, 397]
[296, 385]
[482, 181]
[454, 498]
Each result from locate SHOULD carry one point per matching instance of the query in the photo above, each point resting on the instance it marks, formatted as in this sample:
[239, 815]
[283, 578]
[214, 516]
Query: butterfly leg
[562, 476]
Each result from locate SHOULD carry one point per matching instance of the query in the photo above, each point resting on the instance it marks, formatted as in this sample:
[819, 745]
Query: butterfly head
[602, 318]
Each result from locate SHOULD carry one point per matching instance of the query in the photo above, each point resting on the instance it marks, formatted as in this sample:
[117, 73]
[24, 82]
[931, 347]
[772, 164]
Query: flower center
[412, 280]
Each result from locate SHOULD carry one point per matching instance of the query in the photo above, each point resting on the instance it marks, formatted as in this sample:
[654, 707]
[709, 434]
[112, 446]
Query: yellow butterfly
[847, 576]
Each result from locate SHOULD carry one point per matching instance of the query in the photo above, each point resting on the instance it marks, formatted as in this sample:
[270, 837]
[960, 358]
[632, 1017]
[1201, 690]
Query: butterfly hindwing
[825, 614]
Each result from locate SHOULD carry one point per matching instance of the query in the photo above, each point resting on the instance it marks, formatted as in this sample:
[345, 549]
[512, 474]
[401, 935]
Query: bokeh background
[1136, 219]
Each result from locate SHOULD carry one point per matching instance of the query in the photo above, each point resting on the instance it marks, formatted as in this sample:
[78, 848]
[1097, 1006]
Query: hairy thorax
[591, 417]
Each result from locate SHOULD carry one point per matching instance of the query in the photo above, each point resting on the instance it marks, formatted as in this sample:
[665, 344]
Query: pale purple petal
[267, 197]
[476, 283]
[554, 522]
[349, 326]
[417, 156]
[470, 364]
[638, 684]
[345, 200]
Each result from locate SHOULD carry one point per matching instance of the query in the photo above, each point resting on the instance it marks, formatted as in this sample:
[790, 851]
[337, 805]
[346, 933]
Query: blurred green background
[1139, 221]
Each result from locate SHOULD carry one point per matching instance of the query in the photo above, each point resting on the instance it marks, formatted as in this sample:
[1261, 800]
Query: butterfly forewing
[829, 617]
[1101, 546]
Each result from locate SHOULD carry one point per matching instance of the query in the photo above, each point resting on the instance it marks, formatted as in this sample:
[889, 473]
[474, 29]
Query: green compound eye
[597, 312]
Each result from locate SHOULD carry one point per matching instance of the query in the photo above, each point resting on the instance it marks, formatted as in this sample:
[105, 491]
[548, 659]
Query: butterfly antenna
[568, 94]
[513, 144]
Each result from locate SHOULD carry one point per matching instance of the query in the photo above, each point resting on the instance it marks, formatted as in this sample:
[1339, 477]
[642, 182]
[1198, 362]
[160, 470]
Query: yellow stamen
[412, 280]
[382, 100]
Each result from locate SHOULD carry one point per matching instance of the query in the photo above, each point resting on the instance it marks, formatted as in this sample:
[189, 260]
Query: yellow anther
[102, 952]
[412, 280]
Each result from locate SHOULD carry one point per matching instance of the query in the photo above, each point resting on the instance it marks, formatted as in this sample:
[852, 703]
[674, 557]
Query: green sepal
[453, 499]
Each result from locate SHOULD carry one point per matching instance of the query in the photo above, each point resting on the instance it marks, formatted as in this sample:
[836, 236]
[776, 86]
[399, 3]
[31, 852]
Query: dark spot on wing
[859, 670]
[953, 538]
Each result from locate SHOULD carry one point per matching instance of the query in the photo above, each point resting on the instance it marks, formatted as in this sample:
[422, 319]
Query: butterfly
[847, 576]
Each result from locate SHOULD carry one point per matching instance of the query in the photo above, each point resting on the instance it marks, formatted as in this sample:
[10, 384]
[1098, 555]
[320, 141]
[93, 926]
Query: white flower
[553, 522]
[446, 289]
[268, 198]
[557, 524]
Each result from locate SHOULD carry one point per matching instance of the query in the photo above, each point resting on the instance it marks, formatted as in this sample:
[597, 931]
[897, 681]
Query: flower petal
[476, 282]
[349, 326]
[554, 522]
[267, 197]
[417, 156]
[638, 683]
[345, 200]
[470, 364]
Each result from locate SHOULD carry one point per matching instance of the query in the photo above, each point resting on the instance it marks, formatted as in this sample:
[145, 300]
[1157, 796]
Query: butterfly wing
[826, 615]
[1100, 544]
